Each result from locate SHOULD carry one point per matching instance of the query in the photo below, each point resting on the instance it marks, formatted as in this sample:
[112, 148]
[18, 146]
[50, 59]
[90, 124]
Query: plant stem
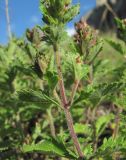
[108, 6]
[60, 76]
[72, 132]
[65, 103]
[8, 20]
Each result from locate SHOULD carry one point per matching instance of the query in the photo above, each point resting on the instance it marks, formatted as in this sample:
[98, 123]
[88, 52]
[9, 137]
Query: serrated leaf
[36, 97]
[82, 128]
[110, 88]
[72, 12]
[81, 70]
[112, 145]
[117, 46]
[51, 75]
[96, 50]
[51, 147]
[121, 26]
[102, 122]
[52, 79]
[88, 150]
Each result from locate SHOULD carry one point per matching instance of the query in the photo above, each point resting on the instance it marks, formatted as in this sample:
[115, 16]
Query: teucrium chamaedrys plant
[78, 56]
[55, 15]
[56, 74]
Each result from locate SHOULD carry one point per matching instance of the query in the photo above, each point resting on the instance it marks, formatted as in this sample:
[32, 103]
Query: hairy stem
[65, 103]
[60, 76]
[72, 132]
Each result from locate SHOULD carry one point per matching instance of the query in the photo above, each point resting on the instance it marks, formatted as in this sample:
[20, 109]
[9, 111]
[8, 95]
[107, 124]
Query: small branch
[110, 9]
[103, 18]
[65, 103]
[74, 90]
[8, 20]
[72, 132]
[61, 82]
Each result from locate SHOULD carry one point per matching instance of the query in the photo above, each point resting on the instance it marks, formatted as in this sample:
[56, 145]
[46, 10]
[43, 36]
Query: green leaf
[51, 66]
[82, 128]
[112, 145]
[52, 79]
[58, 12]
[51, 147]
[72, 12]
[95, 50]
[117, 46]
[80, 70]
[36, 97]
[51, 75]
[121, 26]
[102, 122]
[110, 88]
[88, 150]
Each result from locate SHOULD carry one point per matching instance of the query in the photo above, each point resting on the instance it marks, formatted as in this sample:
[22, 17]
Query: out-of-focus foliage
[33, 125]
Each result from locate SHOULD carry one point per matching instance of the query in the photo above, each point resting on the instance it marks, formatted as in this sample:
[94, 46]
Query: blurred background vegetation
[24, 61]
